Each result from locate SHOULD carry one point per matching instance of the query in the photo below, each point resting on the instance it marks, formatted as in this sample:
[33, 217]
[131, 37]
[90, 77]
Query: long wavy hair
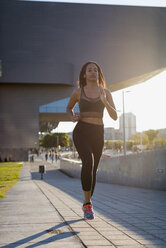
[82, 79]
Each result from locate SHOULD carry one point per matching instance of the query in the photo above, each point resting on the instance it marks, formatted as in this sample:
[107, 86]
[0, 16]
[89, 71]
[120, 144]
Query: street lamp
[57, 141]
[141, 140]
[124, 126]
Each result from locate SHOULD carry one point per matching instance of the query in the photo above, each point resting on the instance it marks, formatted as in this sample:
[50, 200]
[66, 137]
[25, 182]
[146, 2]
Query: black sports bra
[90, 107]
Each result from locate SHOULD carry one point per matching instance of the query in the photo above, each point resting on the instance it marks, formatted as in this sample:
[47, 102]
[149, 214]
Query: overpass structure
[51, 114]
[43, 46]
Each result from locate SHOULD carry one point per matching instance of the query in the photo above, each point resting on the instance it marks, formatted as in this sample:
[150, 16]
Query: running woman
[88, 134]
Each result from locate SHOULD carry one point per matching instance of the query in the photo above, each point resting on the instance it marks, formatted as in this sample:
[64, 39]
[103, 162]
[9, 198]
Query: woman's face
[91, 72]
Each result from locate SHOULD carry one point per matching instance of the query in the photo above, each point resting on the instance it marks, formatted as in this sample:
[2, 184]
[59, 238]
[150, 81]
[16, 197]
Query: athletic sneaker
[88, 211]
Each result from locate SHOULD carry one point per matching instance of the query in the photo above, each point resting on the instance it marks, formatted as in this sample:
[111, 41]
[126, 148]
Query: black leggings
[89, 141]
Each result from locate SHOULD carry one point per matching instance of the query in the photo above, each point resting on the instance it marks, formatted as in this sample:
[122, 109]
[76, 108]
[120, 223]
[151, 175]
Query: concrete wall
[147, 169]
[14, 154]
[19, 115]
[71, 167]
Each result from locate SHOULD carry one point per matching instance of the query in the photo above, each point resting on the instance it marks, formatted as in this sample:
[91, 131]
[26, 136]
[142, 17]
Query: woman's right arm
[73, 100]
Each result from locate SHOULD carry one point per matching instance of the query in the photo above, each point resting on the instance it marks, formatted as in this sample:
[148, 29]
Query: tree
[55, 139]
[152, 134]
[118, 144]
[159, 142]
[48, 141]
[114, 144]
[109, 144]
[62, 139]
[145, 139]
[129, 144]
[137, 139]
[46, 126]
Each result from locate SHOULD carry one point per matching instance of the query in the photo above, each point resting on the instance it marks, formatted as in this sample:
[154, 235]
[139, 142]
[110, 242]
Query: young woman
[88, 134]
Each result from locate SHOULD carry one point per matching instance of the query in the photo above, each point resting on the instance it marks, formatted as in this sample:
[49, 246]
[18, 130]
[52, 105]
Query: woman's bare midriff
[96, 121]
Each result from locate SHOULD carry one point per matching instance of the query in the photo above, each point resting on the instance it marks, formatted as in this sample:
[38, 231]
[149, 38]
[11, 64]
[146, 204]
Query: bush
[114, 144]
[159, 143]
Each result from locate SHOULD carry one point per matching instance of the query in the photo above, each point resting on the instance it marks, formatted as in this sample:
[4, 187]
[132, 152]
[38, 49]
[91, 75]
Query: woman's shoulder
[77, 91]
[107, 91]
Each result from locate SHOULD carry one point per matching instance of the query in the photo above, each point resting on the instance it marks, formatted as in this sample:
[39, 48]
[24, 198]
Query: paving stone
[90, 233]
[130, 246]
[96, 242]
[117, 237]
[90, 237]
[152, 242]
[125, 242]
[108, 232]
[99, 246]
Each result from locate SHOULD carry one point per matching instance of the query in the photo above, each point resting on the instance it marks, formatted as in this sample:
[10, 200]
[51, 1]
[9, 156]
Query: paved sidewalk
[47, 213]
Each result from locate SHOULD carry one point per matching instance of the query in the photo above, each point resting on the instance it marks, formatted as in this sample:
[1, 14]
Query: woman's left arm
[107, 99]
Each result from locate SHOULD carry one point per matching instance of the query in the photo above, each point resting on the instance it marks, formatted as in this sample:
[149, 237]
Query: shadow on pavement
[60, 234]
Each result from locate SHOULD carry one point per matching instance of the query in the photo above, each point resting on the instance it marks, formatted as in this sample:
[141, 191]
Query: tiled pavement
[47, 213]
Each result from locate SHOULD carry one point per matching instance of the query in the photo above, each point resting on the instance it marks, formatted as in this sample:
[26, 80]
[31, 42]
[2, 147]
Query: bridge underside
[135, 80]
[53, 117]
[49, 121]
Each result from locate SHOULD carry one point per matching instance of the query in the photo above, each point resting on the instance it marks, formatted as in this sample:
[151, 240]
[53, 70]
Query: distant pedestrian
[46, 156]
[56, 157]
[88, 134]
[32, 158]
[52, 157]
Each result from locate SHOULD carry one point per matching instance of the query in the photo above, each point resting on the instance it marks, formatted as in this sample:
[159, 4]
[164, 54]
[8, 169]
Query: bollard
[42, 170]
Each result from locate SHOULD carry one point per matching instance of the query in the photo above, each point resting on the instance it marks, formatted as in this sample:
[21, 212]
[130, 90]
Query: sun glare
[147, 101]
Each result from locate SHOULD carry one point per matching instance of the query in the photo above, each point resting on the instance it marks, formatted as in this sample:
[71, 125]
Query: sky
[146, 100]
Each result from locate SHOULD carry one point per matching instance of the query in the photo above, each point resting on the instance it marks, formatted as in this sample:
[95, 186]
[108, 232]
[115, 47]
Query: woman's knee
[87, 167]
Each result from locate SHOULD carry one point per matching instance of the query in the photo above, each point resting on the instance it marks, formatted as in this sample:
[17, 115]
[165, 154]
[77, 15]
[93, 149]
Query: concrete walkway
[47, 213]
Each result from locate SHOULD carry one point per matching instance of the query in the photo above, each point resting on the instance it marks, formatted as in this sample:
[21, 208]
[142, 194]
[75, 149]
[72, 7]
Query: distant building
[109, 133]
[130, 125]
[112, 134]
[117, 134]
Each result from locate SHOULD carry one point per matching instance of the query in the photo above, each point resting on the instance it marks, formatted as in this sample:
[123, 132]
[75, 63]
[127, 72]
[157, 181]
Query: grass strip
[9, 175]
